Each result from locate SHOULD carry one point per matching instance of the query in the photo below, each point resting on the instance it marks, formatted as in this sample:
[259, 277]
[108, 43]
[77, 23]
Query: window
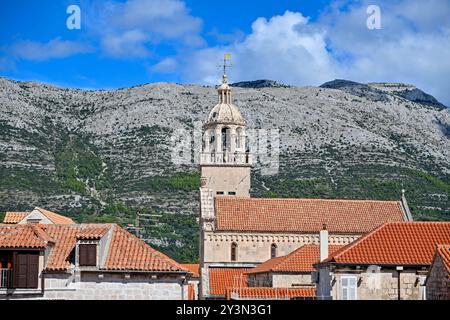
[273, 250]
[231, 193]
[87, 254]
[234, 251]
[348, 287]
[220, 192]
[33, 221]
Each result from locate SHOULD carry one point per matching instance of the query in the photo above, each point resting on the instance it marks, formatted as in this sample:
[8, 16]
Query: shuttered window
[26, 270]
[87, 255]
[349, 287]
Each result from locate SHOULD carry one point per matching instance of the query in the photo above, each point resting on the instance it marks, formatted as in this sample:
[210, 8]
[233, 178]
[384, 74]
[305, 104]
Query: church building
[238, 232]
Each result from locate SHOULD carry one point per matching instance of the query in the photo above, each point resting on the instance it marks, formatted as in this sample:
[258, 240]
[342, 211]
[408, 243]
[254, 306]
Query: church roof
[304, 215]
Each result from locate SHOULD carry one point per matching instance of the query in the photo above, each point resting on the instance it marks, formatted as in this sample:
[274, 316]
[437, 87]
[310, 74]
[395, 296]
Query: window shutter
[26, 270]
[87, 255]
[92, 254]
[21, 270]
[82, 254]
[33, 271]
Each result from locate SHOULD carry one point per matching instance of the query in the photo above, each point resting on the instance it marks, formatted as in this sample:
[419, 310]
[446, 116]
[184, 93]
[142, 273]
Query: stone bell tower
[225, 160]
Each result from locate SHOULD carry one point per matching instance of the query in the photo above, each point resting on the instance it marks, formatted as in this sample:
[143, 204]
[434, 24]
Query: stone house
[438, 280]
[388, 263]
[239, 232]
[85, 261]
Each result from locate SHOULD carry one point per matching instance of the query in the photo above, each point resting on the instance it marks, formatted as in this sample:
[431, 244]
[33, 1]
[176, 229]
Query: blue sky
[131, 42]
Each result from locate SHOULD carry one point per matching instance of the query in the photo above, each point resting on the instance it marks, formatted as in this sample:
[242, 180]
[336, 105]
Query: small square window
[220, 192]
[232, 193]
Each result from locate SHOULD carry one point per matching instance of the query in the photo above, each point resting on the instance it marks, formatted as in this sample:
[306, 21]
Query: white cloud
[166, 65]
[133, 28]
[278, 49]
[39, 51]
[413, 46]
[128, 44]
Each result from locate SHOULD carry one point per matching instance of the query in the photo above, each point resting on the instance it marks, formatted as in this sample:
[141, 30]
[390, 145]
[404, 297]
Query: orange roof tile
[192, 267]
[55, 218]
[222, 278]
[444, 252]
[14, 217]
[23, 236]
[304, 215]
[271, 293]
[127, 252]
[397, 243]
[300, 260]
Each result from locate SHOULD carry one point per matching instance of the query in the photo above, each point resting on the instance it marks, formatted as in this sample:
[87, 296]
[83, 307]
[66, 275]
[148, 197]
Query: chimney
[323, 238]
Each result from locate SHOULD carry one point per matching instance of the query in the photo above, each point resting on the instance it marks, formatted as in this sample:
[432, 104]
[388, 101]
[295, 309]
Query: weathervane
[226, 56]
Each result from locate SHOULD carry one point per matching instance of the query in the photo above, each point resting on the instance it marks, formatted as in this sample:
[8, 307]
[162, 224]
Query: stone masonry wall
[112, 287]
[438, 281]
[379, 284]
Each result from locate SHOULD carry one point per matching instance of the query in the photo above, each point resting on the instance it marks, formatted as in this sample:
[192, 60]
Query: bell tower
[225, 160]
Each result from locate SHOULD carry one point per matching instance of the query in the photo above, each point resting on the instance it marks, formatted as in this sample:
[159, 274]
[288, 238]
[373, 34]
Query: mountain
[258, 84]
[106, 155]
[382, 92]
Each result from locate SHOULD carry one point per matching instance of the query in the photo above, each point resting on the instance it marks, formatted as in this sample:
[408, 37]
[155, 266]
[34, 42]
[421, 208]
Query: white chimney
[323, 238]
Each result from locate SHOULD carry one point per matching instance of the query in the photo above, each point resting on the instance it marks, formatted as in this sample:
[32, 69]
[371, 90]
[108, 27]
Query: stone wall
[438, 281]
[290, 280]
[113, 286]
[376, 283]
[256, 247]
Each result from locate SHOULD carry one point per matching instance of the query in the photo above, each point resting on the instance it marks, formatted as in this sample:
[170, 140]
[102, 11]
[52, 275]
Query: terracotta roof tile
[304, 215]
[271, 293]
[23, 236]
[55, 217]
[192, 267]
[444, 252]
[65, 237]
[222, 278]
[14, 217]
[128, 252]
[300, 260]
[398, 243]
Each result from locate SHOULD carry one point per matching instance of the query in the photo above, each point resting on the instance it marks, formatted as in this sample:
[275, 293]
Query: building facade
[389, 263]
[239, 232]
[85, 261]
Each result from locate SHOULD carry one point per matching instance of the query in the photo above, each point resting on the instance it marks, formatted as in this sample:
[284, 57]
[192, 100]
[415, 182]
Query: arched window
[225, 139]
[238, 138]
[273, 250]
[234, 251]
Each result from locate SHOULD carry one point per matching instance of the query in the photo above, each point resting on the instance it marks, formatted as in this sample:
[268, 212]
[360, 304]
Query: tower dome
[225, 112]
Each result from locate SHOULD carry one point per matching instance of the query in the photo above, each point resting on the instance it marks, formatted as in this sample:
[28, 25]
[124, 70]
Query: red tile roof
[14, 217]
[222, 278]
[125, 252]
[304, 215]
[300, 260]
[128, 252]
[65, 241]
[399, 243]
[23, 236]
[271, 293]
[444, 252]
[55, 217]
[192, 267]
